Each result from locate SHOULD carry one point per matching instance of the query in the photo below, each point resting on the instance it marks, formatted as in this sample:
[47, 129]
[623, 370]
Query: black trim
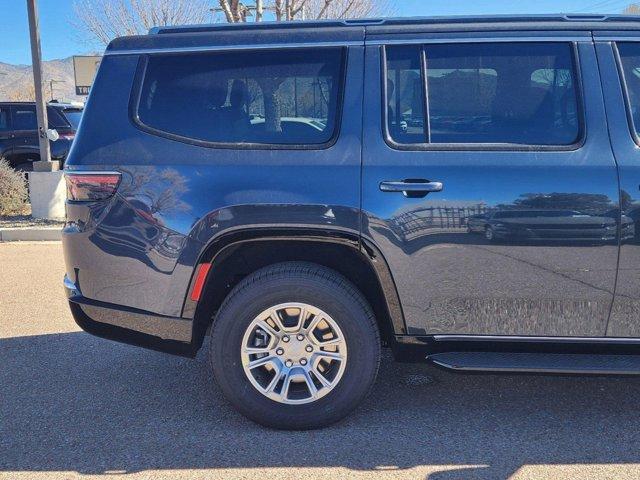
[371, 254]
[551, 363]
[130, 337]
[135, 97]
[415, 348]
[579, 143]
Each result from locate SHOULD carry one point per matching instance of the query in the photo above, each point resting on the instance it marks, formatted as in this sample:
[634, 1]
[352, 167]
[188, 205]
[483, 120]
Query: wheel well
[237, 261]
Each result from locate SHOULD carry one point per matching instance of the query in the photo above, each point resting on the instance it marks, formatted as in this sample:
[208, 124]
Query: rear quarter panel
[139, 250]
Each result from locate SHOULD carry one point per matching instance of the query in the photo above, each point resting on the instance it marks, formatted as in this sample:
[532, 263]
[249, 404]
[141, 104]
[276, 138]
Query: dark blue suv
[300, 194]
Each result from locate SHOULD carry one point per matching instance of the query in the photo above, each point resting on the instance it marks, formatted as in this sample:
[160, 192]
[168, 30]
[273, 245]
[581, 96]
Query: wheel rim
[294, 353]
[488, 234]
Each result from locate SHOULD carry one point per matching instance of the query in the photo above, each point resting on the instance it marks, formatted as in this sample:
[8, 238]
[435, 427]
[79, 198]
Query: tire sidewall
[235, 317]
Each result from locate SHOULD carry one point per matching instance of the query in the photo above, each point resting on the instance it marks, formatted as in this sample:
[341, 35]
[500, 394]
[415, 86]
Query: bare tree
[632, 9]
[236, 11]
[102, 21]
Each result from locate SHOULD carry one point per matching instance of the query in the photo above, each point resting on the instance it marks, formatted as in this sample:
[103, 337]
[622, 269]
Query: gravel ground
[26, 221]
[75, 406]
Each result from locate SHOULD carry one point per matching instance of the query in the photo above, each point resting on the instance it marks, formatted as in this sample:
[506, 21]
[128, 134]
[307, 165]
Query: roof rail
[219, 27]
[304, 24]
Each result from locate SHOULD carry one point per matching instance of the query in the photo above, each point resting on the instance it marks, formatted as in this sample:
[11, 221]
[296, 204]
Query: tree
[632, 9]
[101, 21]
[236, 11]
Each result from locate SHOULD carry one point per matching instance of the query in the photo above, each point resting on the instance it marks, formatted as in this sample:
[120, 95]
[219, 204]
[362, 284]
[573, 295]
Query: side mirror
[52, 134]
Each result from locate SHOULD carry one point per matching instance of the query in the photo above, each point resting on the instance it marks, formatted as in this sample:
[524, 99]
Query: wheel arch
[233, 256]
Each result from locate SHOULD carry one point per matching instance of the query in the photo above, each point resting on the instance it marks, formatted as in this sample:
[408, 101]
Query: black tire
[489, 235]
[305, 283]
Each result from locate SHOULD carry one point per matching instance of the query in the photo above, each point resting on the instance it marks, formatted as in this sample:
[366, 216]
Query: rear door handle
[411, 188]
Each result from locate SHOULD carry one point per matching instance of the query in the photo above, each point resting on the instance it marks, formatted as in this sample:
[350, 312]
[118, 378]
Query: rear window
[73, 116]
[55, 118]
[284, 97]
[500, 93]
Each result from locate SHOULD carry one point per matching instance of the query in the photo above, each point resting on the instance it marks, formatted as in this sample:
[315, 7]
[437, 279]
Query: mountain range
[16, 81]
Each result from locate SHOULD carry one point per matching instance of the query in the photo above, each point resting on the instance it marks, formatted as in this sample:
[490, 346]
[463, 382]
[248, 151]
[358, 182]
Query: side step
[538, 362]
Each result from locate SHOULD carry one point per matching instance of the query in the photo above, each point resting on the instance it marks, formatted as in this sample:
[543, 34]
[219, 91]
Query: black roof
[572, 21]
[357, 30]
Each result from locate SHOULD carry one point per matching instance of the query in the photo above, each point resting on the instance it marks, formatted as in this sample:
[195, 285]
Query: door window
[493, 93]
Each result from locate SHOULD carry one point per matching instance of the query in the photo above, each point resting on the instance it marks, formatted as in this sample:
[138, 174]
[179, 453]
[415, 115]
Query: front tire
[489, 234]
[295, 346]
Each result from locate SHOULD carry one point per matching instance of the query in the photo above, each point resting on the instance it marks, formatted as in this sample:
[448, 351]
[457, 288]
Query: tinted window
[284, 97]
[73, 117]
[630, 58]
[4, 118]
[24, 118]
[55, 119]
[522, 93]
[405, 95]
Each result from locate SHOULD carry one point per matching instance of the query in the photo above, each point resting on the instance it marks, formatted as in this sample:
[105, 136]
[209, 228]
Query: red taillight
[91, 187]
[67, 136]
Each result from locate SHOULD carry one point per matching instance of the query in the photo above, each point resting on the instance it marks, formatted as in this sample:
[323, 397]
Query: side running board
[597, 364]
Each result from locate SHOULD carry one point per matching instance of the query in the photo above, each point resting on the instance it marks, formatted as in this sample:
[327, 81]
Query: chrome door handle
[411, 188]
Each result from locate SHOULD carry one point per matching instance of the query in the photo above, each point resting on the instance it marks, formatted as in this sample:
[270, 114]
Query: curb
[30, 234]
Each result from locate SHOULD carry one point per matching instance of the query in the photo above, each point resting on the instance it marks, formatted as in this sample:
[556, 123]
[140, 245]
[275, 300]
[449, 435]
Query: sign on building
[84, 70]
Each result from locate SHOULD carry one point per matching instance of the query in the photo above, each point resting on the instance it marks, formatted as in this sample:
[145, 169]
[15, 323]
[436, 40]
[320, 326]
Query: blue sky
[59, 40]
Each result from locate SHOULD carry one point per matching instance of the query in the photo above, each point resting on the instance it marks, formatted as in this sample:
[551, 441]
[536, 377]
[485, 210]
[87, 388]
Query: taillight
[91, 186]
[67, 136]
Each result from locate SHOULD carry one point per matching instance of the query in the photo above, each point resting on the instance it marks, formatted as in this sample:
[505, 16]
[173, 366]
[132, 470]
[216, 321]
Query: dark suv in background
[19, 131]
[301, 193]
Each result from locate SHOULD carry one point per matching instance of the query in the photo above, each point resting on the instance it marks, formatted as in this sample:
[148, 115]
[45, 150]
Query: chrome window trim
[222, 48]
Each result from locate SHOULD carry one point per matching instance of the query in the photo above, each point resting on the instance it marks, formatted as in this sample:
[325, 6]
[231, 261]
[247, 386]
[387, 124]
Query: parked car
[551, 225]
[286, 248]
[19, 131]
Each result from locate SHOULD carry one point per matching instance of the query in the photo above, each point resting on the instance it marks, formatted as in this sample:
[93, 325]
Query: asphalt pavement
[72, 405]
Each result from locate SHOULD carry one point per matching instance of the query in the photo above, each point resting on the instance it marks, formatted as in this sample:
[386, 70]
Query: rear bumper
[129, 325]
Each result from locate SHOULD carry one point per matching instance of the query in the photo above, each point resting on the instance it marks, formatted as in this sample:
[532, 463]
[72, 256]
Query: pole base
[43, 166]
[47, 193]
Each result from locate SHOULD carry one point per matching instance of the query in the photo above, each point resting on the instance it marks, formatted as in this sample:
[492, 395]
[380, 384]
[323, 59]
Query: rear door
[510, 126]
[619, 60]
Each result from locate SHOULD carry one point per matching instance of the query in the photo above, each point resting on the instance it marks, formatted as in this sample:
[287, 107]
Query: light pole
[51, 83]
[46, 183]
[45, 164]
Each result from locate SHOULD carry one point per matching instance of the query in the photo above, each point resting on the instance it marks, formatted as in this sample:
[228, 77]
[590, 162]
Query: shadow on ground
[72, 402]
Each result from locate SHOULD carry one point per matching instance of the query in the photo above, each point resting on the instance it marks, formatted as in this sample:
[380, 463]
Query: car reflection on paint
[549, 225]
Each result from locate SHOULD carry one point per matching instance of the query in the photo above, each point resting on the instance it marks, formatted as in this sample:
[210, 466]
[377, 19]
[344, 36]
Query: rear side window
[24, 118]
[500, 93]
[630, 65]
[73, 116]
[55, 118]
[285, 97]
